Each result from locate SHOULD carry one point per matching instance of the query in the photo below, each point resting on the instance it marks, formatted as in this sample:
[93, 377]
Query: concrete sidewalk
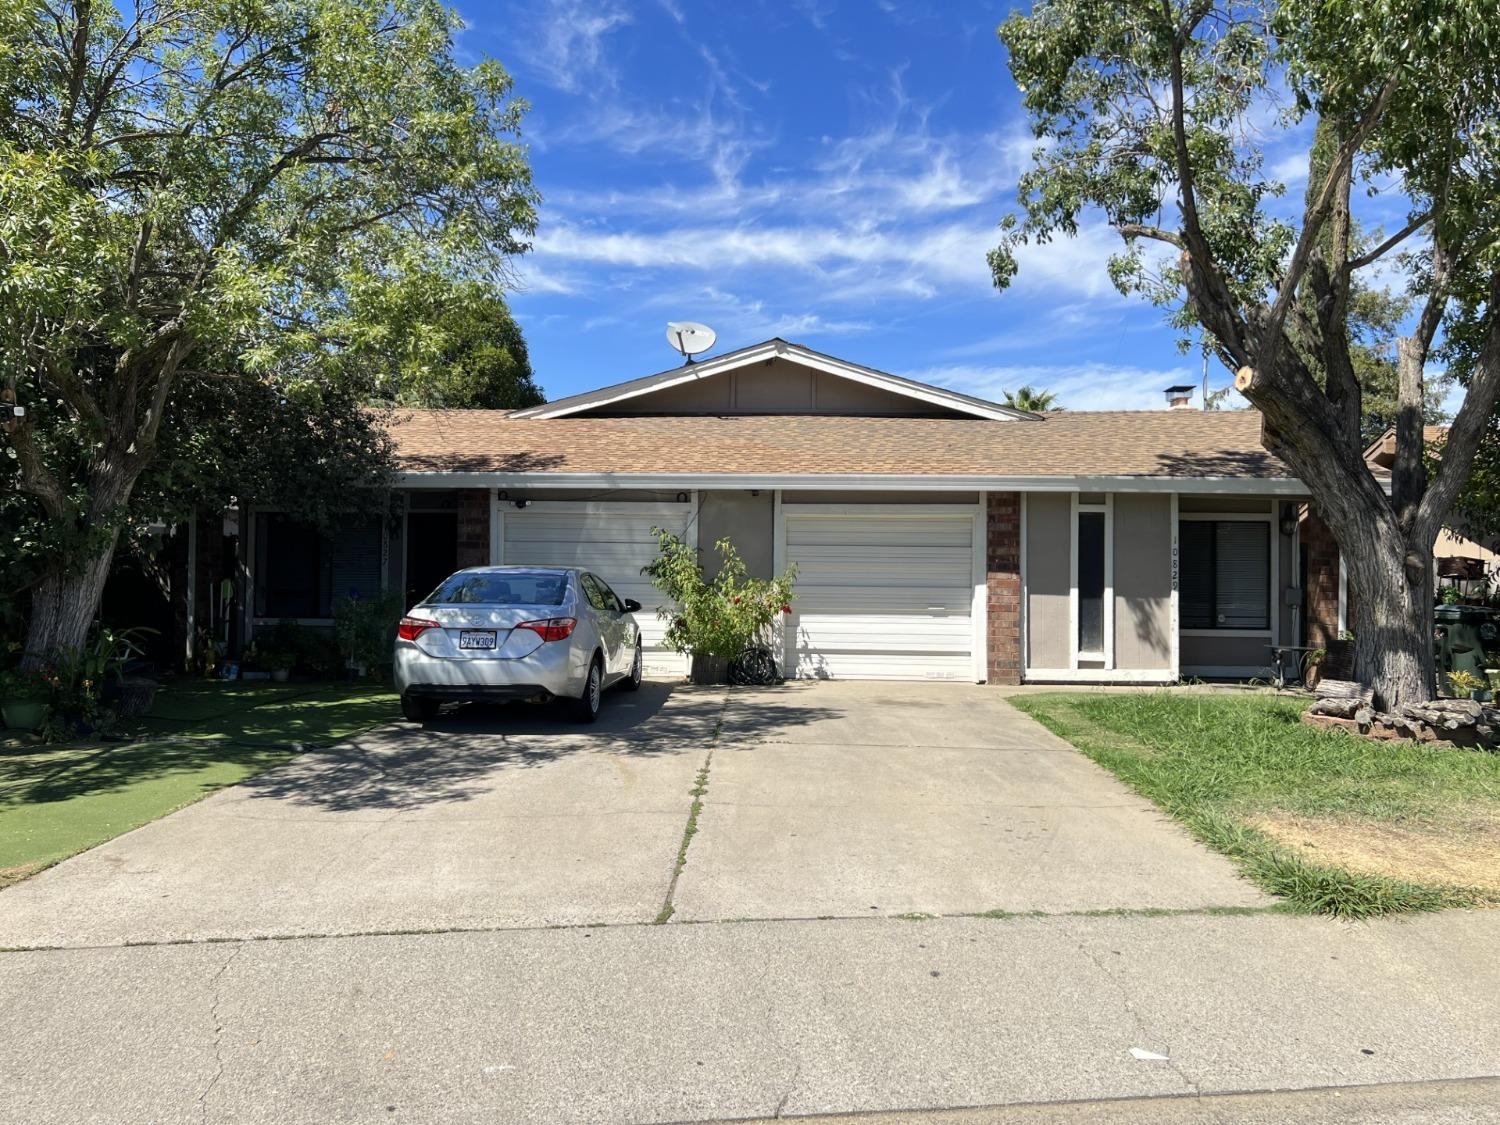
[735, 1020]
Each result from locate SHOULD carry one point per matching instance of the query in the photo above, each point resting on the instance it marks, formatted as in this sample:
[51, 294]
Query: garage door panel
[848, 599]
[889, 532]
[614, 546]
[883, 596]
[818, 665]
[855, 632]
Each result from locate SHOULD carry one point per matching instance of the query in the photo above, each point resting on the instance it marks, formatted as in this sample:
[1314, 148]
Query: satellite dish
[690, 338]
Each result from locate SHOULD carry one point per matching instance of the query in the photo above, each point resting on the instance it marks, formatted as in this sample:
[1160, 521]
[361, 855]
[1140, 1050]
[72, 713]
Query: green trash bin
[1466, 638]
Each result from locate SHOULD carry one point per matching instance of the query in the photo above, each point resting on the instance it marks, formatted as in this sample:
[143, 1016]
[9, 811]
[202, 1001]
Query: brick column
[1322, 581]
[1003, 555]
[474, 527]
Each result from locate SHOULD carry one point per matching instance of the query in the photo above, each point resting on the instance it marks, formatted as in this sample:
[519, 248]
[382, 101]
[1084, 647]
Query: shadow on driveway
[468, 751]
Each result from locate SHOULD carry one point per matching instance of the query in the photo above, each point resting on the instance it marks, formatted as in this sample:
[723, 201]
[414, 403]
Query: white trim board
[1098, 676]
[867, 482]
[759, 353]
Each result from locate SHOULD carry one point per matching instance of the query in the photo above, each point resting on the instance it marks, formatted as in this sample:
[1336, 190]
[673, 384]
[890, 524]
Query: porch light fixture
[1289, 520]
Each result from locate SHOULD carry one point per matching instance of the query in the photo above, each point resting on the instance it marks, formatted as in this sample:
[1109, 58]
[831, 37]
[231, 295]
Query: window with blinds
[1226, 574]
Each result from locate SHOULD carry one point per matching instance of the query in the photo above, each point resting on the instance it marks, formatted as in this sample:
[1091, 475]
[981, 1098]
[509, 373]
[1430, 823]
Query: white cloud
[1081, 386]
[566, 43]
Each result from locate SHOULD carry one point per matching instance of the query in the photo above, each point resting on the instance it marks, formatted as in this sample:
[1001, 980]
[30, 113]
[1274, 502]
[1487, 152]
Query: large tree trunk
[63, 605]
[1391, 616]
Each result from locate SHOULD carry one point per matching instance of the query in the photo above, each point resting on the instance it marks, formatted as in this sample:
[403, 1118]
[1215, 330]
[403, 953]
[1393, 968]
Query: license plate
[476, 638]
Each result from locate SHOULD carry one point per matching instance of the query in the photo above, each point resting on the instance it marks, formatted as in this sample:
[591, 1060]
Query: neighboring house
[937, 536]
[1327, 580]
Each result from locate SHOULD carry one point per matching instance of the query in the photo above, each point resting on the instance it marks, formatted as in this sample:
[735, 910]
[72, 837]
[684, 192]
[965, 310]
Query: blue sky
[827, 171]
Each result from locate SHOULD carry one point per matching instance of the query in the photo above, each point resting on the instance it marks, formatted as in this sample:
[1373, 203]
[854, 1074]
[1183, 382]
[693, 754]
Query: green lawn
[1334, 823]
[200, 736]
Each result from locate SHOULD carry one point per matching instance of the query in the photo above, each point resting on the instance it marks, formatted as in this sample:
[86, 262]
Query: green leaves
[721, 617]
[198, 195]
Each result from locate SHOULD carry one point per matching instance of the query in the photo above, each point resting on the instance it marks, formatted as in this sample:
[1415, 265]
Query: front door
[431, 552]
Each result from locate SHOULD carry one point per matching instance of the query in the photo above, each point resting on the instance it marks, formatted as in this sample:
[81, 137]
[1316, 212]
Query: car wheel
[585, 708]
[418, 710]
[632, 682]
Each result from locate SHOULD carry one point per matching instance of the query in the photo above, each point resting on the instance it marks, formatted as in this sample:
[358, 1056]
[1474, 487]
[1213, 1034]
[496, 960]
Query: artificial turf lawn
[199, 737]
[1220, 763]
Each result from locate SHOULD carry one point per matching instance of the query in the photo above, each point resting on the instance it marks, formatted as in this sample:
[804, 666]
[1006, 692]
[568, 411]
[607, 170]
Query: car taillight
[411, 628]
[553, 629]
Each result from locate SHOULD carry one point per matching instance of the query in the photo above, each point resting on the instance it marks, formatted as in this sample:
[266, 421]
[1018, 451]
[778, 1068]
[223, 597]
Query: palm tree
[1029, 398]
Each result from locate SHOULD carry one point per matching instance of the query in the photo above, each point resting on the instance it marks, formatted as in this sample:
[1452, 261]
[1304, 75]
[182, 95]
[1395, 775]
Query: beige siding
[743, 519]
[1143, 581]
[1048, 552]
[777, 386]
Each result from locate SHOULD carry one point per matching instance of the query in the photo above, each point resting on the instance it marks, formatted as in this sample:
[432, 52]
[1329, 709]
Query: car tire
[418, 710]
[585, 709]
[632, 682]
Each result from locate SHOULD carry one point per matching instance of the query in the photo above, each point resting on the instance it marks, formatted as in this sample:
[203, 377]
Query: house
[936, 535]
[1458, 558]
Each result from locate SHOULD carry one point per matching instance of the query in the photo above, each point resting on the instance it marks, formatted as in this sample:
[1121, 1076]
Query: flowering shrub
[29, 684]
[720, 617]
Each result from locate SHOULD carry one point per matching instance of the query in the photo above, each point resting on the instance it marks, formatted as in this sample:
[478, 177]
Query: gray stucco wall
[1143, 581]
[1048, 578]
[745, 520]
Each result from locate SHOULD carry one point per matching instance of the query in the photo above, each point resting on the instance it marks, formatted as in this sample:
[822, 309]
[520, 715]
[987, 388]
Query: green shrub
[719, 618]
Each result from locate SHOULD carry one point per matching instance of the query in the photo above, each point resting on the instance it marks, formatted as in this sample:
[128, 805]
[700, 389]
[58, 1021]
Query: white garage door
[612, 540]
[883, 592]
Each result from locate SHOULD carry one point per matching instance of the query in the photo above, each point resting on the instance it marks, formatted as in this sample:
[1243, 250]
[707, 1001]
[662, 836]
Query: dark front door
[431, 552]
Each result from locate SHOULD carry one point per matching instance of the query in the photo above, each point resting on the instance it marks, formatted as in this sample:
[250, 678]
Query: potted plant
[89, 685]
[365, 629]
[278, 662]
[25, 694]
[1463, 683]
[715, 622]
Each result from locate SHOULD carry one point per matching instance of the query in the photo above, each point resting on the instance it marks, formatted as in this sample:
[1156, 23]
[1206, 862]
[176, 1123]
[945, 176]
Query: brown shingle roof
[1146, 443]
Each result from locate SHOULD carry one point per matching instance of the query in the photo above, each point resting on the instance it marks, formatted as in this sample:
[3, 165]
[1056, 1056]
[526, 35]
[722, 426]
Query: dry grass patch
[1456, 853]
[9, 875]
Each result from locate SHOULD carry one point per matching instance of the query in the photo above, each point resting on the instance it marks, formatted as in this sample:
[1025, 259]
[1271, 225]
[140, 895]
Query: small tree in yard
[1157, 116]
[722, 616]
[219, 191]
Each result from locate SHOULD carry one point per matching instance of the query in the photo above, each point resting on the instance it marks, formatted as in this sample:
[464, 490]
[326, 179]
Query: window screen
[1226, 574]
[301, 570]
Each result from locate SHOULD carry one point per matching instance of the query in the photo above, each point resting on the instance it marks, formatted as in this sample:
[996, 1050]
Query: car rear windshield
[511, 587]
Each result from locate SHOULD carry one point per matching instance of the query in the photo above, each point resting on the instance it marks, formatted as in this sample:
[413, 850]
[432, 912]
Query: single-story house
[936, 535]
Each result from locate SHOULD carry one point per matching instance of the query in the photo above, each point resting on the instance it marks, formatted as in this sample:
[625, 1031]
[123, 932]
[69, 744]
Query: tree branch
[1141, 230]
[1390, 244]
[1316, 216]
[1465, 434]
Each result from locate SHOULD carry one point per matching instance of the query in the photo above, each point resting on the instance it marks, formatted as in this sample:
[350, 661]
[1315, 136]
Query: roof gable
[612, 398]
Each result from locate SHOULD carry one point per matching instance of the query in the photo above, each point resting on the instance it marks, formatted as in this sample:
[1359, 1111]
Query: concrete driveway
[818, 800]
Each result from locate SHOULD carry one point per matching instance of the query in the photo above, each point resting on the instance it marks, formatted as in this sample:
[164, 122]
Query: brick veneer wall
[474, 527]
[1322, 580]
[1003, 567]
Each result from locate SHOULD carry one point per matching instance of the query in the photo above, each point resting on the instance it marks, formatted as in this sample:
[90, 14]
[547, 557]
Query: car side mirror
[631, 605]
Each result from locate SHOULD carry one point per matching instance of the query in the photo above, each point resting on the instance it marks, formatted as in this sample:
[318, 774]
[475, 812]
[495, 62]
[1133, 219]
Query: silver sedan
[517, 632]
